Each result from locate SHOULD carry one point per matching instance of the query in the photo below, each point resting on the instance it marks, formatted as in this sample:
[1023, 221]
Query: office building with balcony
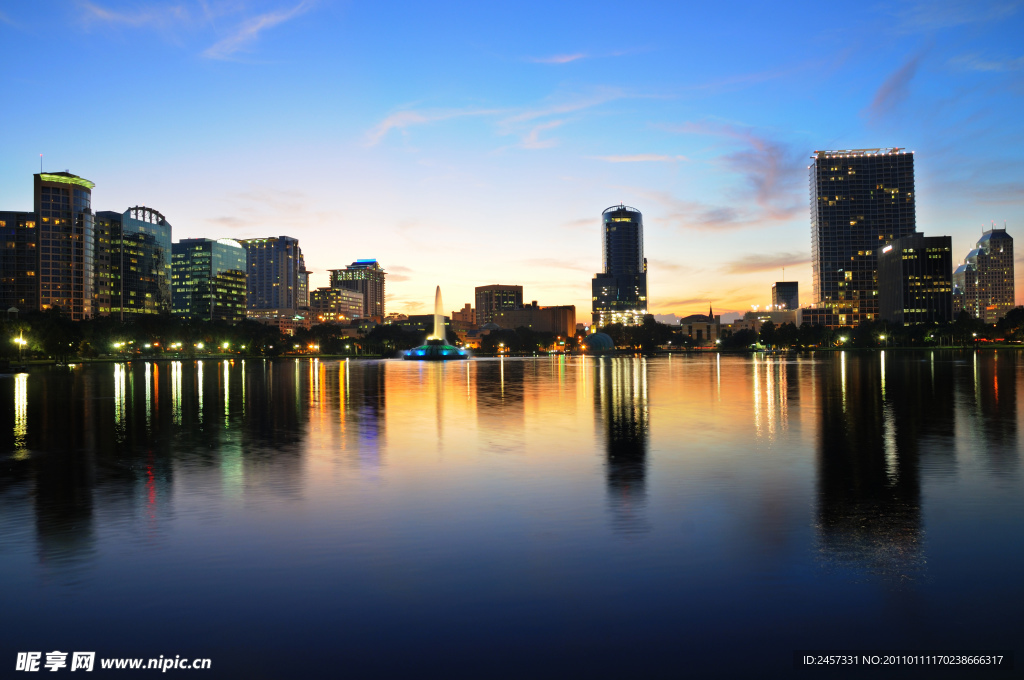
[63, 206]
[915, 280]
[861, 200]
[620, 289]
[366, 277]
[208, 279]
[495, 298]
[983, 285]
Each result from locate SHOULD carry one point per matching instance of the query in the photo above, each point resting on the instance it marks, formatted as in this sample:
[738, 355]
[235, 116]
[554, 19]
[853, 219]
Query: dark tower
[620, 290]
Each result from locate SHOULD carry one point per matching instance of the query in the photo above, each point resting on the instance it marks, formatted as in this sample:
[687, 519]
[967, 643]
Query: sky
[464, 144]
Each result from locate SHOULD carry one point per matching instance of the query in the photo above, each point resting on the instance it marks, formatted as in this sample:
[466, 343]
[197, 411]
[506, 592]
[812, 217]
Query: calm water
[570, 517]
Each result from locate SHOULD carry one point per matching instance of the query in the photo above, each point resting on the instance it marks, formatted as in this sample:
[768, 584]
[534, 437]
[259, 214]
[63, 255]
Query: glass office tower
[63, 205]
[208, 279]
[861, 200]
[133, 251]
[620, 290]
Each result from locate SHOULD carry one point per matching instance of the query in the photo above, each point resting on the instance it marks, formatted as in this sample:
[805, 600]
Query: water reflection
[623, 413]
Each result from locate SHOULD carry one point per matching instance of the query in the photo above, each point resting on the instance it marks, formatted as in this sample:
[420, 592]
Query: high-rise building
[19, 261]
[273, 266]
[133, 262]
[366, 277]
[329, 305]
[786, 295]
[208, 279]
[861, 200]
[493, 299]
[983, 284]
[620, 289]
[915, 280]
[63, 205]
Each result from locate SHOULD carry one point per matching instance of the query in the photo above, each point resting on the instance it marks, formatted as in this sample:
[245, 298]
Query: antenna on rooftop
[40, 164]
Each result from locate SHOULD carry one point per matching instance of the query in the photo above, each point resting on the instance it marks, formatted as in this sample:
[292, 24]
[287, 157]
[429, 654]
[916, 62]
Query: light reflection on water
[567, 493]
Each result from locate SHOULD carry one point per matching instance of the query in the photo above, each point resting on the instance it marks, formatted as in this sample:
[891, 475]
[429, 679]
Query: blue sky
[463, 144]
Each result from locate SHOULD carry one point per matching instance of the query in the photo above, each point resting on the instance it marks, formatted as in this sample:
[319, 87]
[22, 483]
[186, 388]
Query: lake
[702, 516]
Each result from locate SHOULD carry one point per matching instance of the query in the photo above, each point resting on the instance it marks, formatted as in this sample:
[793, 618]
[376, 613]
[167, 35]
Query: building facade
[983, 285]
[273, 267]
[465, 315]
[19, 261]
[915, 280]
[495, 298]
[63, 205]
[786, 295]
[333, 305]
[861, 200]
[560, 320]
[132, 252]
[620, 289]
[366, 277]
[208, 279]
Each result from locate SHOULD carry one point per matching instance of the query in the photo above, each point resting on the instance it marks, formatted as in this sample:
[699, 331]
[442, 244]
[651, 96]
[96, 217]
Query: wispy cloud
[973, 62]
[158, 16]
[766, 262]
[228, 221]
[250, 29]
[559, 58]
[932, 15]
[404, 119]
[640, 158]
[532, 140]
[557, 108]
[894, 90]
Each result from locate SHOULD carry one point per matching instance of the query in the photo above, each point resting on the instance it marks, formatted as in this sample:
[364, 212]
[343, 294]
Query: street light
[20, 342]
[226, 345]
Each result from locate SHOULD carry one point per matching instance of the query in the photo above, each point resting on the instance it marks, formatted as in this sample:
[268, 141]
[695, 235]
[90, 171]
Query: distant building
[915, 280]
[366, 277]
[786, 295]
[620, 289]
[983, 285]
[274, 266]
[303, 300]
[495, 298]
[703, 329]
[208, 279]
[63, 204]
[133, 263]
[861, 200]
[334, 305]
[560, 320]
[19, 261]
[466, 315]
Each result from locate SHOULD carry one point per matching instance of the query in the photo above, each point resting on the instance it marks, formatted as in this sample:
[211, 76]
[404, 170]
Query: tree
[767, 334]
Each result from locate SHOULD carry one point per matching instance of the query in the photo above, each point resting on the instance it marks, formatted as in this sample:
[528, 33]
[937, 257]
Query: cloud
[640, 158]
[686, 303]
[669, 266]
[602, 96]
[894, 90]
[972, 62]
[532, 139]
[250, 29]
[403, 119]
[229, 222]
[933, 15]
[766, 262]
[559, 58]
[160, 16]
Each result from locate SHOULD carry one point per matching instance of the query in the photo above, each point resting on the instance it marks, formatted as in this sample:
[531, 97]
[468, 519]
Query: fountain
[437, 347]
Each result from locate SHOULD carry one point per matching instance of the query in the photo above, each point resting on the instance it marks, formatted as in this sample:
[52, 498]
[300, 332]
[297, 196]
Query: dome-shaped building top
[599, 342]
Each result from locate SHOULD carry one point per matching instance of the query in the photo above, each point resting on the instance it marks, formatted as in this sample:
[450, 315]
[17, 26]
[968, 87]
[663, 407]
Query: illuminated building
[133, 263]
[786, 295]
[19, 261]
[366, 277]
[983, 284]
[620, 290]
[492, 299]
[274, 267]
[861, 200]
[703, 329]
[63, 205]
[915, 280]
[208, 279]
[331, 305]
[560, 320]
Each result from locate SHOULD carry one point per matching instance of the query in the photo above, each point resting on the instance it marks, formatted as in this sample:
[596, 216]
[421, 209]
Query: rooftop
[65, 178]
[852, 153]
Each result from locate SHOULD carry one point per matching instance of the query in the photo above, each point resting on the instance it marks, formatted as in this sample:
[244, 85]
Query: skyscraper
[63, 204]
[620, 290]
[133, 262]
[983, 285]
[366, 277]
[19, 261]
[495, 298]
[208, 279]
[915, 280]
[786, 295]
[273, 266]
[861, 200]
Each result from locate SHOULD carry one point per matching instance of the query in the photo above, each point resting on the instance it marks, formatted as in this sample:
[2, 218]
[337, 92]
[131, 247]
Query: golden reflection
[199, 391]
[883, 374]
[20, 416]
[176, 392]
[842, 370]
[120, 395]
[243, 388]
[227, 392]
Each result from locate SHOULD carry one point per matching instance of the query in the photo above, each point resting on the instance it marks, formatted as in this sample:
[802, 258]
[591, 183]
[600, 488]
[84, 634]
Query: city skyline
[508, 142]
